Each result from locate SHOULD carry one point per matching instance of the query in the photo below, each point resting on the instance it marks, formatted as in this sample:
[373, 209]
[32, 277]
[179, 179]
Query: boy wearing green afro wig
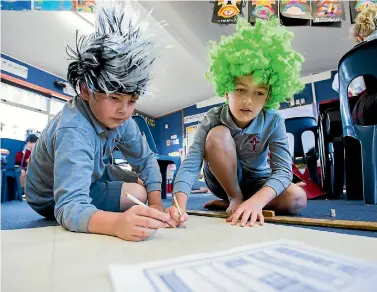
[255, 69]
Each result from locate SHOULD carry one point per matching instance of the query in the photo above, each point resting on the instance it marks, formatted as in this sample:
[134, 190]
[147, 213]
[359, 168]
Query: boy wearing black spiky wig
[67, 176]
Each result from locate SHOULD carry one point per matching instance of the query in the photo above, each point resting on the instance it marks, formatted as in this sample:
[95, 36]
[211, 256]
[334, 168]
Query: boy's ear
[84, 92]
[226, 96]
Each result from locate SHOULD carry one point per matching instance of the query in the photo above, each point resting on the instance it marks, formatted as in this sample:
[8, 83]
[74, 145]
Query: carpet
[19, 215]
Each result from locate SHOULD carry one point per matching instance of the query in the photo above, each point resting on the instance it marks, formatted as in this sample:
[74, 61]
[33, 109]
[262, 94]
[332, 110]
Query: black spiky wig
[117, 56]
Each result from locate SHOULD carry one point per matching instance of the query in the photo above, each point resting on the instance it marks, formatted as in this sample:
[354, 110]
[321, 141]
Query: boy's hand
[176, 219]
[138, 223]
[251, 208]
[234, 204]
[157, 207]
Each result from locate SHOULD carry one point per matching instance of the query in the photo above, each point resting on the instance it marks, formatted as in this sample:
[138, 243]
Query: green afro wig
[263, 50]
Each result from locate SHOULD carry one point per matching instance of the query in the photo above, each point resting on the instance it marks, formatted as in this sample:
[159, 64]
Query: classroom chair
[303, 129]
[361, 60]
[297, 127]
[11, 174]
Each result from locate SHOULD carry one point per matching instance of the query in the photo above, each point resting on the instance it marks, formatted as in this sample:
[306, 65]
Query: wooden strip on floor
[269, 216]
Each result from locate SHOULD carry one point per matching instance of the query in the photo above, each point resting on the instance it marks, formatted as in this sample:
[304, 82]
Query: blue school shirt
[69, 156]
[266, 133]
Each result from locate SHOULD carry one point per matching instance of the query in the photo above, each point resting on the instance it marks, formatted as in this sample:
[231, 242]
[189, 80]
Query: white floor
[51, 259]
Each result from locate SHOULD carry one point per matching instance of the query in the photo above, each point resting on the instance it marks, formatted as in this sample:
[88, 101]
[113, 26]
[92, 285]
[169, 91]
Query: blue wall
[324, 91]
[161, 135]
[36, 76]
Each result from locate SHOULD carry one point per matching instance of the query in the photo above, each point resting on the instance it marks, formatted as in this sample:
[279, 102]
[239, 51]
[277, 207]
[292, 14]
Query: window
[22, 110]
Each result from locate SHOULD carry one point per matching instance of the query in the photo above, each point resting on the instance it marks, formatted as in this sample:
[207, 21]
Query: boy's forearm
[264, 196]
[103, 223]
[154, 198]
[182, 201]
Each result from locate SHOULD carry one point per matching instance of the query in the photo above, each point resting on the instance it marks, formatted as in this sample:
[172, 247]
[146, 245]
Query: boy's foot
[217, 205]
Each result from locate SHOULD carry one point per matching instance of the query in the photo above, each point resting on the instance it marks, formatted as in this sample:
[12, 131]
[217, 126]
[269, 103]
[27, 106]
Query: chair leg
[18, 188]
[4, 189]
[353, 169]
[163, 170]
[369, 173]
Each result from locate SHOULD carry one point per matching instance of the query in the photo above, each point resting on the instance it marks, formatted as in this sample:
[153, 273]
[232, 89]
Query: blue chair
[361, 60]
[297, 126]
[163, 160]
[11, 173]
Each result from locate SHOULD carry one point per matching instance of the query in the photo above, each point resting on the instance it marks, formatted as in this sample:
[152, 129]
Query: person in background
[362, 90]
[22, 157]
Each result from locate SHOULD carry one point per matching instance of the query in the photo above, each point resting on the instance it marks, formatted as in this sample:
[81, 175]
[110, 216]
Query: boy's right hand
[138, 223]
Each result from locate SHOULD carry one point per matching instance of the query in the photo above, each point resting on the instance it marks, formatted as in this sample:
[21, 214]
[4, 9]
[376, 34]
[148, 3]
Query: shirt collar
[84, 108]
[255, 127]
[372, 36]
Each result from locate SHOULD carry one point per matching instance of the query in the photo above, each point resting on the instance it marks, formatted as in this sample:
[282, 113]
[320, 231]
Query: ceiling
[40, 39]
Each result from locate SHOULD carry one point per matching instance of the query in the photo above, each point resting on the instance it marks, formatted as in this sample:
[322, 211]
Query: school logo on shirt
[254, 141]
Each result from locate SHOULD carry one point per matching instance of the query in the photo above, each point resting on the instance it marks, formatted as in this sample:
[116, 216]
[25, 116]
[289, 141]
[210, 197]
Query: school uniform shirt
[266, 133]
[69, 156]
[22, 158]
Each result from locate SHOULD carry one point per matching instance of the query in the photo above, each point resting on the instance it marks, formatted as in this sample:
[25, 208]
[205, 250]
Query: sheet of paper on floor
[283, 265]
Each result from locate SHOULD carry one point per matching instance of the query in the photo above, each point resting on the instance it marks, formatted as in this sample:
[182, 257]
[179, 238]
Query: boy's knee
[218, 137]
[140, 192]
[136, 190]
[298, 200]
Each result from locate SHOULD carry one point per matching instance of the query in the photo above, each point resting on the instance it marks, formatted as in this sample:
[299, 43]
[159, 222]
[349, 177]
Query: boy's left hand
[157, 207]
[251, 208]
[177, 220]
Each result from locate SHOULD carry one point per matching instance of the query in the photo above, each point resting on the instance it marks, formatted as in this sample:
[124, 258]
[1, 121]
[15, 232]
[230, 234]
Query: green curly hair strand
[263, 51]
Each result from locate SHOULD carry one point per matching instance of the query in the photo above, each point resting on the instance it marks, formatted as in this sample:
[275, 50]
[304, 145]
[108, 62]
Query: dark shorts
[249, 185]
[105, 193]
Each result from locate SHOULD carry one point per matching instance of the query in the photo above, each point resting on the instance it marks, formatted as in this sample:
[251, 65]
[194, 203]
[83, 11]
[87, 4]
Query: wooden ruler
[269, 216]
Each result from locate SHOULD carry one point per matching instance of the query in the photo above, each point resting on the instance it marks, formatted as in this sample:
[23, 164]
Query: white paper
[284, 265]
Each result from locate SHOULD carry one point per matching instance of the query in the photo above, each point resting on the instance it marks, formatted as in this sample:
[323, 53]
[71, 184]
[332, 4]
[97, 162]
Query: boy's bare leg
[136, 190]
[221, 156]
[291, 201]
[22, 178]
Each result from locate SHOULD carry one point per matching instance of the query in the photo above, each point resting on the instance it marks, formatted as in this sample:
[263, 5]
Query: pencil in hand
[179, 209]
[140, 203]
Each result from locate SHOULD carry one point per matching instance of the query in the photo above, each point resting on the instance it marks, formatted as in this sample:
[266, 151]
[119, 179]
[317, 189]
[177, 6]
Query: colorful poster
[263, 9]
[328, 11]
[85, 6]
[295, 13]
[15, 5]
[51, 5]
[225, 12]
[357, 6]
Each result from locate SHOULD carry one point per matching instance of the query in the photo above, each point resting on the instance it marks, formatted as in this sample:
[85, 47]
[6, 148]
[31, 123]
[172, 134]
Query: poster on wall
[47, 5]
[295, 13]
[358, 6]
[14, 68]
[190, 134]
[193, 118]
[15, 5]
[63, 5]
[262, 9]
[328, 13]
[226, 12]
